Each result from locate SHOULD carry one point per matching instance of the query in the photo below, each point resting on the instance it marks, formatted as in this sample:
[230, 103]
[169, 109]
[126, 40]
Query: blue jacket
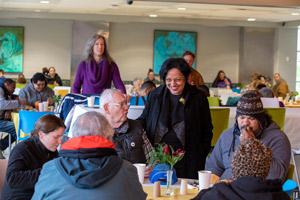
[82, 172]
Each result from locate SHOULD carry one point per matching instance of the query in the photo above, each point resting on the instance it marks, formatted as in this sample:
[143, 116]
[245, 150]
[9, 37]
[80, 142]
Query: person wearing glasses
[130, 139]
[37, 90]
[178, 114]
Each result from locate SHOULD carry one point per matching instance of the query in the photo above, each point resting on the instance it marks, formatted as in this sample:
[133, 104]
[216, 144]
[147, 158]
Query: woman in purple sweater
[95, 73]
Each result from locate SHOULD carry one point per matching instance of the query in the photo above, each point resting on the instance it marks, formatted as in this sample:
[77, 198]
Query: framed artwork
[11, 48]
[172, 44]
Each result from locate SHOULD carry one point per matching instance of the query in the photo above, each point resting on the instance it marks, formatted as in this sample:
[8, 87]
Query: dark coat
[24, 167]
[198, 126]
[245, 188]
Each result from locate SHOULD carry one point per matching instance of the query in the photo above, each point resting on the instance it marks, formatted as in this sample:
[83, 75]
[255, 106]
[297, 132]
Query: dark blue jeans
[7, 127]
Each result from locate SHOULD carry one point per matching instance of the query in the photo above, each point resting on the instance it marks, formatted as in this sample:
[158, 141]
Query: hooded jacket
[220, 160]
[32, 95]
[88, 168]
[245, 188]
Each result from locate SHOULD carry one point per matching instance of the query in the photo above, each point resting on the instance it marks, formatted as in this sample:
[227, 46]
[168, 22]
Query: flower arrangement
[56, 98]
[162, 155]
[292, 94]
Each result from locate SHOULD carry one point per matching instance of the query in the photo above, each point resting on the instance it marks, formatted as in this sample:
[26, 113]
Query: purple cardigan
[94, 79]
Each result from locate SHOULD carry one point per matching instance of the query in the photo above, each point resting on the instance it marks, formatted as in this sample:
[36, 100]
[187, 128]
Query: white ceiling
[142, 9]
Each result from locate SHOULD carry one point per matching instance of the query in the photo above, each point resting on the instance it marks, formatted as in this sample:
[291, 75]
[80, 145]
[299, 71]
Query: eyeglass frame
[122, 104]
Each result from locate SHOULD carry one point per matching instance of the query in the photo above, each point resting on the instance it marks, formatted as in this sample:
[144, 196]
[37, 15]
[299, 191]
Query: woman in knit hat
[250, 167]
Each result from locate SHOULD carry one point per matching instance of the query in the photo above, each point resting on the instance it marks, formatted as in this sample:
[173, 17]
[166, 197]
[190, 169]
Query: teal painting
[172, 44]
[11, 48]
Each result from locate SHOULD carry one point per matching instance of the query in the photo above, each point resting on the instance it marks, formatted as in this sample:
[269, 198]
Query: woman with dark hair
[53, 77]
[98, 70]
[150, 77]
[221, 81]
[27, 157]
[177, 114]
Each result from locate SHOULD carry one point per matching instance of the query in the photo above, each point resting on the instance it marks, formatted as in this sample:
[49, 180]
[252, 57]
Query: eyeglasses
[40, 85]
[176, 80]
[122, 104]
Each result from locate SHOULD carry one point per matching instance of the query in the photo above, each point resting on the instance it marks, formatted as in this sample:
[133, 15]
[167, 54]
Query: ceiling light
[251, 19]
[44, 1]
[181, 8]
[114, 6]
[295, 14]
[37, 10]
[152, 15]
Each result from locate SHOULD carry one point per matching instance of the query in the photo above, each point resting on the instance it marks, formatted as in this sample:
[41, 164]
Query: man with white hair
[88, 166]
[130, 138]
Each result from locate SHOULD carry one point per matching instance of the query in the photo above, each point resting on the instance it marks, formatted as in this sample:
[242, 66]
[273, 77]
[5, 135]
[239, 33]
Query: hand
[227, 82]
[148, 171]
[7, 115]
[229, 181]
[246, 134]
[23, 101]
[50, 101]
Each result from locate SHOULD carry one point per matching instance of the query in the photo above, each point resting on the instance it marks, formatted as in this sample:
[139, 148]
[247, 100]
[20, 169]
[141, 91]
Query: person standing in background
[195, 78]
[280, 89]
[98, 70]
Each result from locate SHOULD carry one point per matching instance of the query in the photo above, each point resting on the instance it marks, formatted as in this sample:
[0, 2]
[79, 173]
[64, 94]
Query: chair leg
[297, 177]
[9, 144]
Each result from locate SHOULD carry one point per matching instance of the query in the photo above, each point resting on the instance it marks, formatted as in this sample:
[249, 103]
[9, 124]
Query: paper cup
[45, 105]
[183, 186]
[204, 179]
[41, 106]
[91, 101]
[141, 171]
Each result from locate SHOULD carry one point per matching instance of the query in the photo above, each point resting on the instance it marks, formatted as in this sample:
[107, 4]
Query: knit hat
[251, 105]
[253, 158]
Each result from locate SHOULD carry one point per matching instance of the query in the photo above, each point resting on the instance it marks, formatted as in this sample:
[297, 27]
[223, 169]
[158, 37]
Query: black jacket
[245, 188]
[198, 126]
[129, 141]
[24, 167]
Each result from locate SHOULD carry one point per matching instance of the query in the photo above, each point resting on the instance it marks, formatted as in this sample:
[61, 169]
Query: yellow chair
[51, 86]
[213, 101]
[278, 115]
[219, 119]
[19, 85]
[62, 92]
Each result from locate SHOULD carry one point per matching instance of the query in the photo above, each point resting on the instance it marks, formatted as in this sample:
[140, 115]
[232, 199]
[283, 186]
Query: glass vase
[169, 190]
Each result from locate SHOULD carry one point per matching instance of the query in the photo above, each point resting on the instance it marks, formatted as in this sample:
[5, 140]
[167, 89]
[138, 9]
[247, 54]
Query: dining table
[148, 187]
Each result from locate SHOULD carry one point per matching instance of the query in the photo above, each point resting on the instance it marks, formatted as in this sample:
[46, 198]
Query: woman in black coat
[178, 114]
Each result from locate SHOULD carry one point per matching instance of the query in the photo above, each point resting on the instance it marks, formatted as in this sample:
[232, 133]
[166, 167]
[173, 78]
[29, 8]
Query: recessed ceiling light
[295, 14]
[152, 15]
[44, 1]
[181, 8]
[251, 19]
[114, 6]
[37, 10]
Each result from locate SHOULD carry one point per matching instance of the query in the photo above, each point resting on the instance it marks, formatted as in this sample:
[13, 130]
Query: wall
[46, 43]
[131, 45]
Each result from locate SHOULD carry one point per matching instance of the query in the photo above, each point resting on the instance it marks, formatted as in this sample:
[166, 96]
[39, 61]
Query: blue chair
[137, 100]
[27, 120]
[289, 187]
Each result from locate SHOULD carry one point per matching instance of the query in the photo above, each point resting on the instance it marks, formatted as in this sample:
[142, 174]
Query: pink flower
[166, 150]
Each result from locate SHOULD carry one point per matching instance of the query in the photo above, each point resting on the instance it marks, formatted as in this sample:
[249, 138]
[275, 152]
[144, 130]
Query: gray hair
[88, 52]
[92, 123]
[107, 96]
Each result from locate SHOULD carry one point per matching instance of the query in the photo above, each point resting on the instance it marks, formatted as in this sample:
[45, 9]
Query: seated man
[141, 98]
[88, 166]
[7, 88]
[250, 167]
[37, 90]
[251, 122]
[115, 108]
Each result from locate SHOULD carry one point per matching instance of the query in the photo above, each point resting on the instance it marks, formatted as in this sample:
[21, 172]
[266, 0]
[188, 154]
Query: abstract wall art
[11, 48]
[172, 44]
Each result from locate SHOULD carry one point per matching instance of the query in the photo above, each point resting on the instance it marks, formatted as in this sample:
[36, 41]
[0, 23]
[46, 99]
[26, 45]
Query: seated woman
[177, 114]
[53, 77]
[150, 77]
[250, 167]
[27, 158]
[21, 79]
[221, 81]
[137, 83]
